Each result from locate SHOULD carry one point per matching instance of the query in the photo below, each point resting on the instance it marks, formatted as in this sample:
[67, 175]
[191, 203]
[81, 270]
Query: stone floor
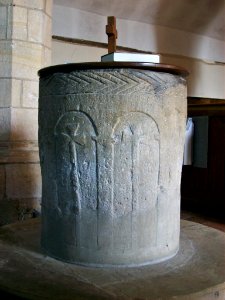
[203, 219]
[197, 272]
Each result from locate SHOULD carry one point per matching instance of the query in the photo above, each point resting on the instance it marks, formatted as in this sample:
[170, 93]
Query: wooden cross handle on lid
[112, 34]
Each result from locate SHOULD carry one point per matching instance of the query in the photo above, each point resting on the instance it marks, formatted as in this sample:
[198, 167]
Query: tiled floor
[202, 219]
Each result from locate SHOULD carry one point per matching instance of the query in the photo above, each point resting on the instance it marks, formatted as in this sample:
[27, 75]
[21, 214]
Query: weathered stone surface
[10, 92]
[9, 24]
[6, 2]
[111, 149]
[35, 26]
[26, 59]
[18, 23]
[5, 120]
[5, 95]
[30, 94]
[5, 58]
[48, 7]
[46, 57]
[47, 38]
[24, 123]
[23, 181]
[23, 32]
[38, 4]
[3, 22]
[16, 91]
[19, 152]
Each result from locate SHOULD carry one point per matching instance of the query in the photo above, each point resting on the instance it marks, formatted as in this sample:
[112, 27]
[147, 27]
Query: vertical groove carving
[76, 155]
[110, 176]
[136, 146]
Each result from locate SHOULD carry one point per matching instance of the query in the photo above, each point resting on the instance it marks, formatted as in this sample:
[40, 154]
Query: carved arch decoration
[76, 162]
[136, 161]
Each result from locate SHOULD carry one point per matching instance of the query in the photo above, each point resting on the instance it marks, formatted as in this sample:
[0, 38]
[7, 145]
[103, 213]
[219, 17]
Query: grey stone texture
[111, 150]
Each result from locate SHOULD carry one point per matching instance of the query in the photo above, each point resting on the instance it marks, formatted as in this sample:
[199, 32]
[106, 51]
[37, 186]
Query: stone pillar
[25, 47]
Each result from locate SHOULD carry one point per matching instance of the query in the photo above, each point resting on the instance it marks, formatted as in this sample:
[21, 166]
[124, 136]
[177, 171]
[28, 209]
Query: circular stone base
[197, 272]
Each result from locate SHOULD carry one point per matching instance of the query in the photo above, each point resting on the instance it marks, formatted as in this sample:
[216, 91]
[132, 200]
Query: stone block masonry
[25, 47]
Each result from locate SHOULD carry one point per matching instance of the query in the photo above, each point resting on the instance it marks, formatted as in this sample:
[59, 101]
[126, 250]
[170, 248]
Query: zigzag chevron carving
[117, 81]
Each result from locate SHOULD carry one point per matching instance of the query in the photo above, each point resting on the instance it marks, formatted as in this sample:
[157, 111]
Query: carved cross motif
[112, 34]
[76, 136]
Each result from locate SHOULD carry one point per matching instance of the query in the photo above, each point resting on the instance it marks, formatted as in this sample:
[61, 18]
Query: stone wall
[25, 47]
